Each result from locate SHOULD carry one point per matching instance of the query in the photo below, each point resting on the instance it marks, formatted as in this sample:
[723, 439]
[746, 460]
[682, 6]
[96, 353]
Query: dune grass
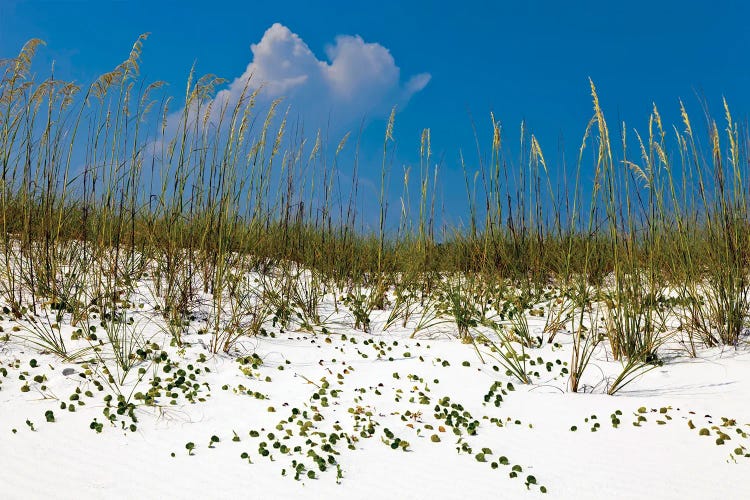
[105, 186]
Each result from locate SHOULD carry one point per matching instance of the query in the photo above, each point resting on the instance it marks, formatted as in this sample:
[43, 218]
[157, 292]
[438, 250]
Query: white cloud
[358, 79]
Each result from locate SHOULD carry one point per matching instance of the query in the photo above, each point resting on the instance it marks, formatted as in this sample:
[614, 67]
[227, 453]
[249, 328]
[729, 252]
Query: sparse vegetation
[144, 246]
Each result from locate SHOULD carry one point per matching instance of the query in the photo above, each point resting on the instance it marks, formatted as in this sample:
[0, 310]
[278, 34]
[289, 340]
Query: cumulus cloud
[358, 79]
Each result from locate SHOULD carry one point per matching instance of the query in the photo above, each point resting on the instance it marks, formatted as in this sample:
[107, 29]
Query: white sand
[67, 459]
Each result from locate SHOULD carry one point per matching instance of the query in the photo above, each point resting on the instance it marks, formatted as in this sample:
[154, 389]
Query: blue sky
[522, 60]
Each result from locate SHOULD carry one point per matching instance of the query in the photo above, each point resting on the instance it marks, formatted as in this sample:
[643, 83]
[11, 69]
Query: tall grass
[224, 207]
